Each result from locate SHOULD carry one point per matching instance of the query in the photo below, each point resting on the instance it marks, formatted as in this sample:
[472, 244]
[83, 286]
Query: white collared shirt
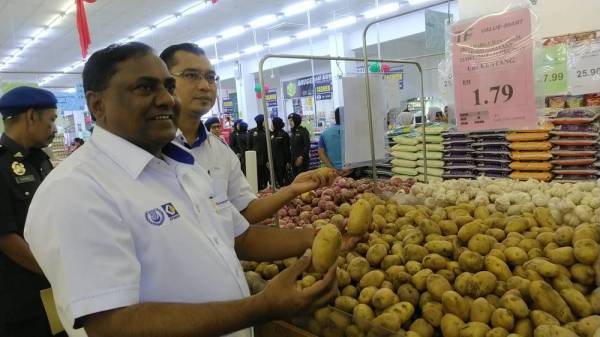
[212, 154]
[114, 226]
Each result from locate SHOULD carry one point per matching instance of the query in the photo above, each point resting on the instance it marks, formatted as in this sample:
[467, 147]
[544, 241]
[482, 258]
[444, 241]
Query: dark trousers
[263, 176]
[280, 176]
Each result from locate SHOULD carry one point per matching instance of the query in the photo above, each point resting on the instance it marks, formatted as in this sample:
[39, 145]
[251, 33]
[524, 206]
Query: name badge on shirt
[25, 179]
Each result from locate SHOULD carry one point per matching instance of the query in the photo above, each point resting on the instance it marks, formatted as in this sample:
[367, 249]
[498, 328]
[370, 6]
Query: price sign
[492, 61]
[584, 58]
[554, 66]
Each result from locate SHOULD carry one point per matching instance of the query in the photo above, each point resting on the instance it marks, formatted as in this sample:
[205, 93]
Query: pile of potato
[463, 271]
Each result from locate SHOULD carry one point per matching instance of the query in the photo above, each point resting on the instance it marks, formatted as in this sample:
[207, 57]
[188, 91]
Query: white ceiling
[112, 20]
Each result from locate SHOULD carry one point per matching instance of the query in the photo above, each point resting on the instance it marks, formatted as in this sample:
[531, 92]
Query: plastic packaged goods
[459, 165]
[543, 176]
[531, 166]
[574, 178]
[457, 156]
[405, 148]
[576, 170]
[430, 178]
[574, 141]
[575, 101]
[533, 155]
[404, 163]
[556, 102]
[457, 142]
[592, 99]
[495, 174]
[435, 129]
[527, 136]
[458, 148]
[434, 147]
[483, 156]
[573, 161]
[574, 151]
[531, 146]
[431, 163]
[408, 139]
[575, 116]
[577, 131]
[433, 139]
[404, 155]
[431, 171]
[407, 171]
[430, 155]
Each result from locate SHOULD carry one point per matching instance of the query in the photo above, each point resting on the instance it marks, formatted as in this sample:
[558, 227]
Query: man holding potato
[148, 252]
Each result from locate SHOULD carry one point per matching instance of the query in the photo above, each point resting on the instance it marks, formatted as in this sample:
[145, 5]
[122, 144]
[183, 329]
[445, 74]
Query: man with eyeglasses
[196, 88]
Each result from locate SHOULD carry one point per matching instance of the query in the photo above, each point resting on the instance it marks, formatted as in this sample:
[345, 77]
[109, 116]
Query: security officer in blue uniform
[29, 115]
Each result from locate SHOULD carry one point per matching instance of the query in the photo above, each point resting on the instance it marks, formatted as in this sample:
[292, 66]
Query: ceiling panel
[113, 20]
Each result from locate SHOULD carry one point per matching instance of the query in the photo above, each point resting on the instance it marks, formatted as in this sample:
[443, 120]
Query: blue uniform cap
[259, 119]
[210, 121]
[20, 99]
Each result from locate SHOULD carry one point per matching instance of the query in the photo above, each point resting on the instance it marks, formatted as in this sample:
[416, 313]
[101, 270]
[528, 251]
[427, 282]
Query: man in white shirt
[197, 90]
[145, 250]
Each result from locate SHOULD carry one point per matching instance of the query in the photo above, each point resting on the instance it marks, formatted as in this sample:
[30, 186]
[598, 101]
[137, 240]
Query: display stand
[328, 58]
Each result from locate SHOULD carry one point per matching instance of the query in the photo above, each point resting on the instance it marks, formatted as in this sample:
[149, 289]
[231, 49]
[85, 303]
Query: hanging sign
[323, 86]
[271, 100]
[227, 105]
[584, 61]
[492, 61]
[303, 87]
[554, 67]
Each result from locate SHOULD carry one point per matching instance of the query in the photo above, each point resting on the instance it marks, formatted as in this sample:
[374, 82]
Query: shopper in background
[148, 252]
[406, 118]
[242, 144]
[233, 144]
[77, 143]
[213, 125]
[257, 141]
[300, 144]
[280, 143]
[197, 90]
[28, 115]
[330, 146]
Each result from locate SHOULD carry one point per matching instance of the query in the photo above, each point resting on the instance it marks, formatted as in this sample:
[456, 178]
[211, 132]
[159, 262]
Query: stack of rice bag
[404, 154]
[434, 154]
[492, 154]
[458, 156]
[531, 154]
[575, 144]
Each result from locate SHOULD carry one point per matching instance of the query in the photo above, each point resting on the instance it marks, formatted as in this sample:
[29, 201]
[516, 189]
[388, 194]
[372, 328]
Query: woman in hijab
[299, 144]
[280, 142]
[257, 142]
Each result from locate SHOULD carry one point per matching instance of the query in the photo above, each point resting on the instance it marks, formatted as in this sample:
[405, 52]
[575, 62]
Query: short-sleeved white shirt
[222, 164]
[114, 226]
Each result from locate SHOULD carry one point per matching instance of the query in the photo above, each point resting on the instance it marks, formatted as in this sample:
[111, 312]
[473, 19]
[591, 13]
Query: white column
[247, 102]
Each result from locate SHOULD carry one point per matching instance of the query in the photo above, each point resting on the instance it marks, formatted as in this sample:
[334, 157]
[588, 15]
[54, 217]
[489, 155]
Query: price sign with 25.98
[492, 60]
[584, 58]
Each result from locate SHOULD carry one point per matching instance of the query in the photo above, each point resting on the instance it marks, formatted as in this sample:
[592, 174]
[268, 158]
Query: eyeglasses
[195, 76]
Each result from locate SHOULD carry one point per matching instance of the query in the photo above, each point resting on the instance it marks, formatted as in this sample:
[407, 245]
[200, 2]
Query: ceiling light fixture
[56, 20]
[347, 21]
[279, 42]
[193, 8]
[254, 49]
[209, 41]
[416, 2]
[166, 21]
[381, 10]
[233, 31]
[263, 21]
[299, 7]
[230, 56]
[308, 33]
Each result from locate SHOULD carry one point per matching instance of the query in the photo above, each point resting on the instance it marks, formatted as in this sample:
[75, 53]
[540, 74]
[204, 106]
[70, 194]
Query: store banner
[584, 62]
[323, 86]
[297, 104]
[554, 68]
[234, 102]
[396, 73]
[69, 101]
[492, 61]
[227, 106]
[271, 101]
[303, 87]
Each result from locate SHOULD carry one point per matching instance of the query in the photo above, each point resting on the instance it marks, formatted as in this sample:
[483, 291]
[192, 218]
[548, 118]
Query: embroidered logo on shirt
[155, 216]
[170, 210]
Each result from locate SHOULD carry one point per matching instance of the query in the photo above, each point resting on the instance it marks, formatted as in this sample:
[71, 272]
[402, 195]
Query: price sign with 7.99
[492, 59]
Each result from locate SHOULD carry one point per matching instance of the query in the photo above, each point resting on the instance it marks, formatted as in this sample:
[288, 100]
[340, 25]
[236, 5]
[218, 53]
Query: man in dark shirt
[28, 115]
[299, 144]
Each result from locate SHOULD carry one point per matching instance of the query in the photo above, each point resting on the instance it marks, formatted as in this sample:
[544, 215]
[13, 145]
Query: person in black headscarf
[242, 143]
[257, 142]
[299, 144]
[280, 142]
[233, 143]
